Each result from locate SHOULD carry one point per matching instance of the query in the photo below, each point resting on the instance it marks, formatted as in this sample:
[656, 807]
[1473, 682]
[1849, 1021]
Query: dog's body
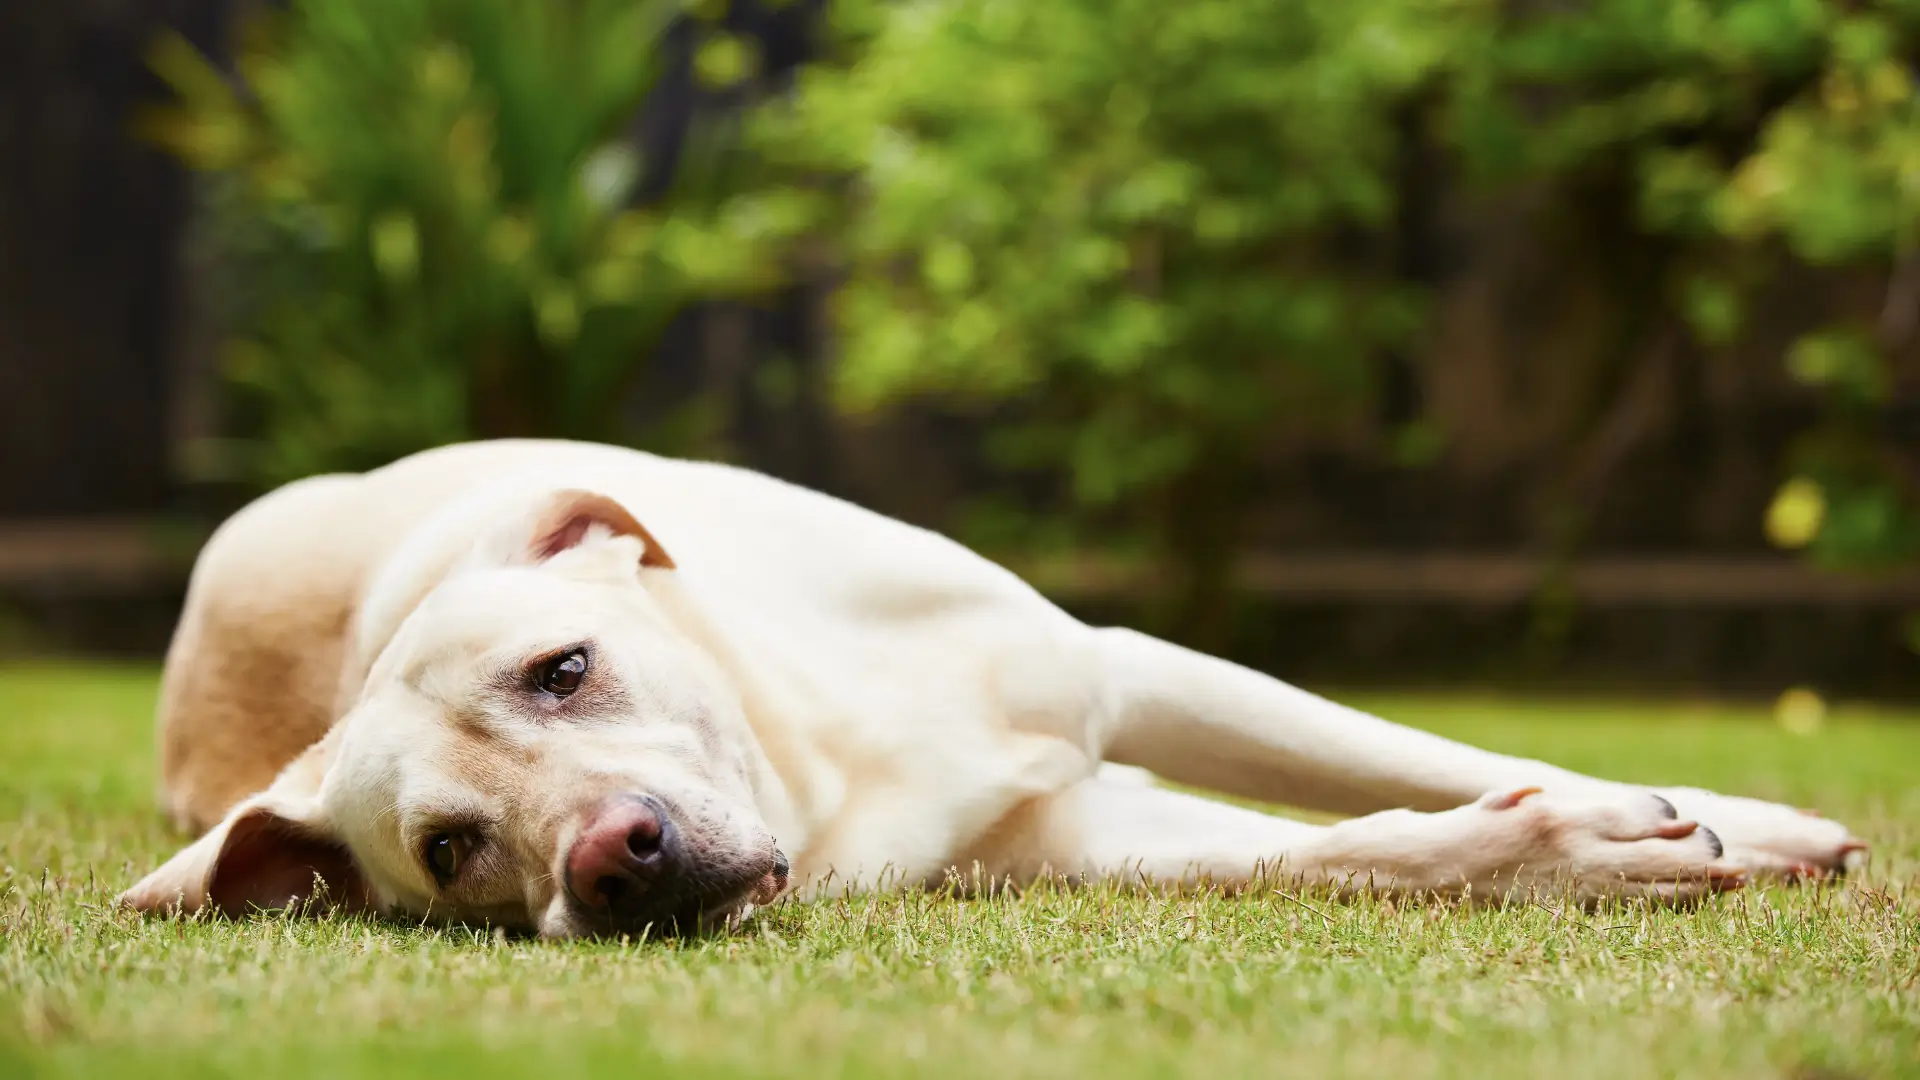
[473, 684]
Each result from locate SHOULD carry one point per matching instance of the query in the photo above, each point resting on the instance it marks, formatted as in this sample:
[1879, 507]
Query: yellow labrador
[579, 689]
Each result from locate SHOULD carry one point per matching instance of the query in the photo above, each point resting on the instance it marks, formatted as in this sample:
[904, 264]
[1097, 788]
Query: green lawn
[1814, 983]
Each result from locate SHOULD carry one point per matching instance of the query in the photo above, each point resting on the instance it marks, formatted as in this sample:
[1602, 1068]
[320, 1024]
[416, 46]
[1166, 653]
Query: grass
[1806, 983]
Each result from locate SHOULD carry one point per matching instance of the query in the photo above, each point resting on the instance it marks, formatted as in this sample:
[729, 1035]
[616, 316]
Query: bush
[1161, 246]
[1148, 221]
[1764, 138]
[427, 211]
[1167, 233]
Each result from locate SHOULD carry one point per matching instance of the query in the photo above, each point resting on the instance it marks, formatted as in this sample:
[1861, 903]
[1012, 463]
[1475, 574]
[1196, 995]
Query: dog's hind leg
[1210, 723]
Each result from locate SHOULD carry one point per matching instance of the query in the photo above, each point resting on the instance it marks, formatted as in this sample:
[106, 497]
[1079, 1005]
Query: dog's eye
[561, 675]
[446, 853]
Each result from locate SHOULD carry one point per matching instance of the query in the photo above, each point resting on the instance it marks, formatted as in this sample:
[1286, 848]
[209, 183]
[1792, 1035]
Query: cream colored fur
[802, 676]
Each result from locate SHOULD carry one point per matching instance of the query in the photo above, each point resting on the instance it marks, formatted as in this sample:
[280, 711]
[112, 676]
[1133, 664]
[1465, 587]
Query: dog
[583, 690]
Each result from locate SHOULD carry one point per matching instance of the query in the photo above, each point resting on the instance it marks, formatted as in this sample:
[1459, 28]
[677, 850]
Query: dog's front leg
[1626, 845]
[1206, 722]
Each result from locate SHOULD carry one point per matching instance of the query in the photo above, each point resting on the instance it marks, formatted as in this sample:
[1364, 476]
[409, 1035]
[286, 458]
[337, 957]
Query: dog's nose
[626, 849]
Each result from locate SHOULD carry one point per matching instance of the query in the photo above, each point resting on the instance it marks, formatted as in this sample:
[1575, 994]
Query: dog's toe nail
[1507, 800]
[1713, 841]
[1666, 808]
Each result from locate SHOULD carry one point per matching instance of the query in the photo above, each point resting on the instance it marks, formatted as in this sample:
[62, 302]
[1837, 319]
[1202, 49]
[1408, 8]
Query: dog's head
[536, 743]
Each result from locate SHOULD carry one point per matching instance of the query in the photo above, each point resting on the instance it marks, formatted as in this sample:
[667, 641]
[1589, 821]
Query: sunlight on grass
[1760, 983]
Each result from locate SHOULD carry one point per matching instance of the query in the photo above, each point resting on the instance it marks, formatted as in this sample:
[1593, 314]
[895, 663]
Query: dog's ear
[567, 519]
[271, 852]
[511, 524]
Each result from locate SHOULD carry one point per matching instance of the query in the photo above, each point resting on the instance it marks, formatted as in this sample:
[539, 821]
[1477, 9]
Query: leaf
[1796, 514]
[395, 242]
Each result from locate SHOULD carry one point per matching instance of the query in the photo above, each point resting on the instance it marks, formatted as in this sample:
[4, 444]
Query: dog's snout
[626, 850]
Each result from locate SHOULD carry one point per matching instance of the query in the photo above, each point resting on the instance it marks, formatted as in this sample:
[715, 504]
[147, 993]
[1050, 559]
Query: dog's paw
[1771, 840]
[1614, 847]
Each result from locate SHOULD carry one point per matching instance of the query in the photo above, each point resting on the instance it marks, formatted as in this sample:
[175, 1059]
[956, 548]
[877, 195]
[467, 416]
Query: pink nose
[624, 850]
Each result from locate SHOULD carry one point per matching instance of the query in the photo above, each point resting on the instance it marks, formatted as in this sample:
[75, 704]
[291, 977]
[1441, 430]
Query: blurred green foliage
[1138, 218]
[1170, 227]
[1765, 137]
[1160, 242]
[426, 211]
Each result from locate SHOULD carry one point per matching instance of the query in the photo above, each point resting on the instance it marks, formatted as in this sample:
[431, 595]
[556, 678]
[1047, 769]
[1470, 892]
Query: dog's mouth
[708, 916]
[764, 890]
[713, 904]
